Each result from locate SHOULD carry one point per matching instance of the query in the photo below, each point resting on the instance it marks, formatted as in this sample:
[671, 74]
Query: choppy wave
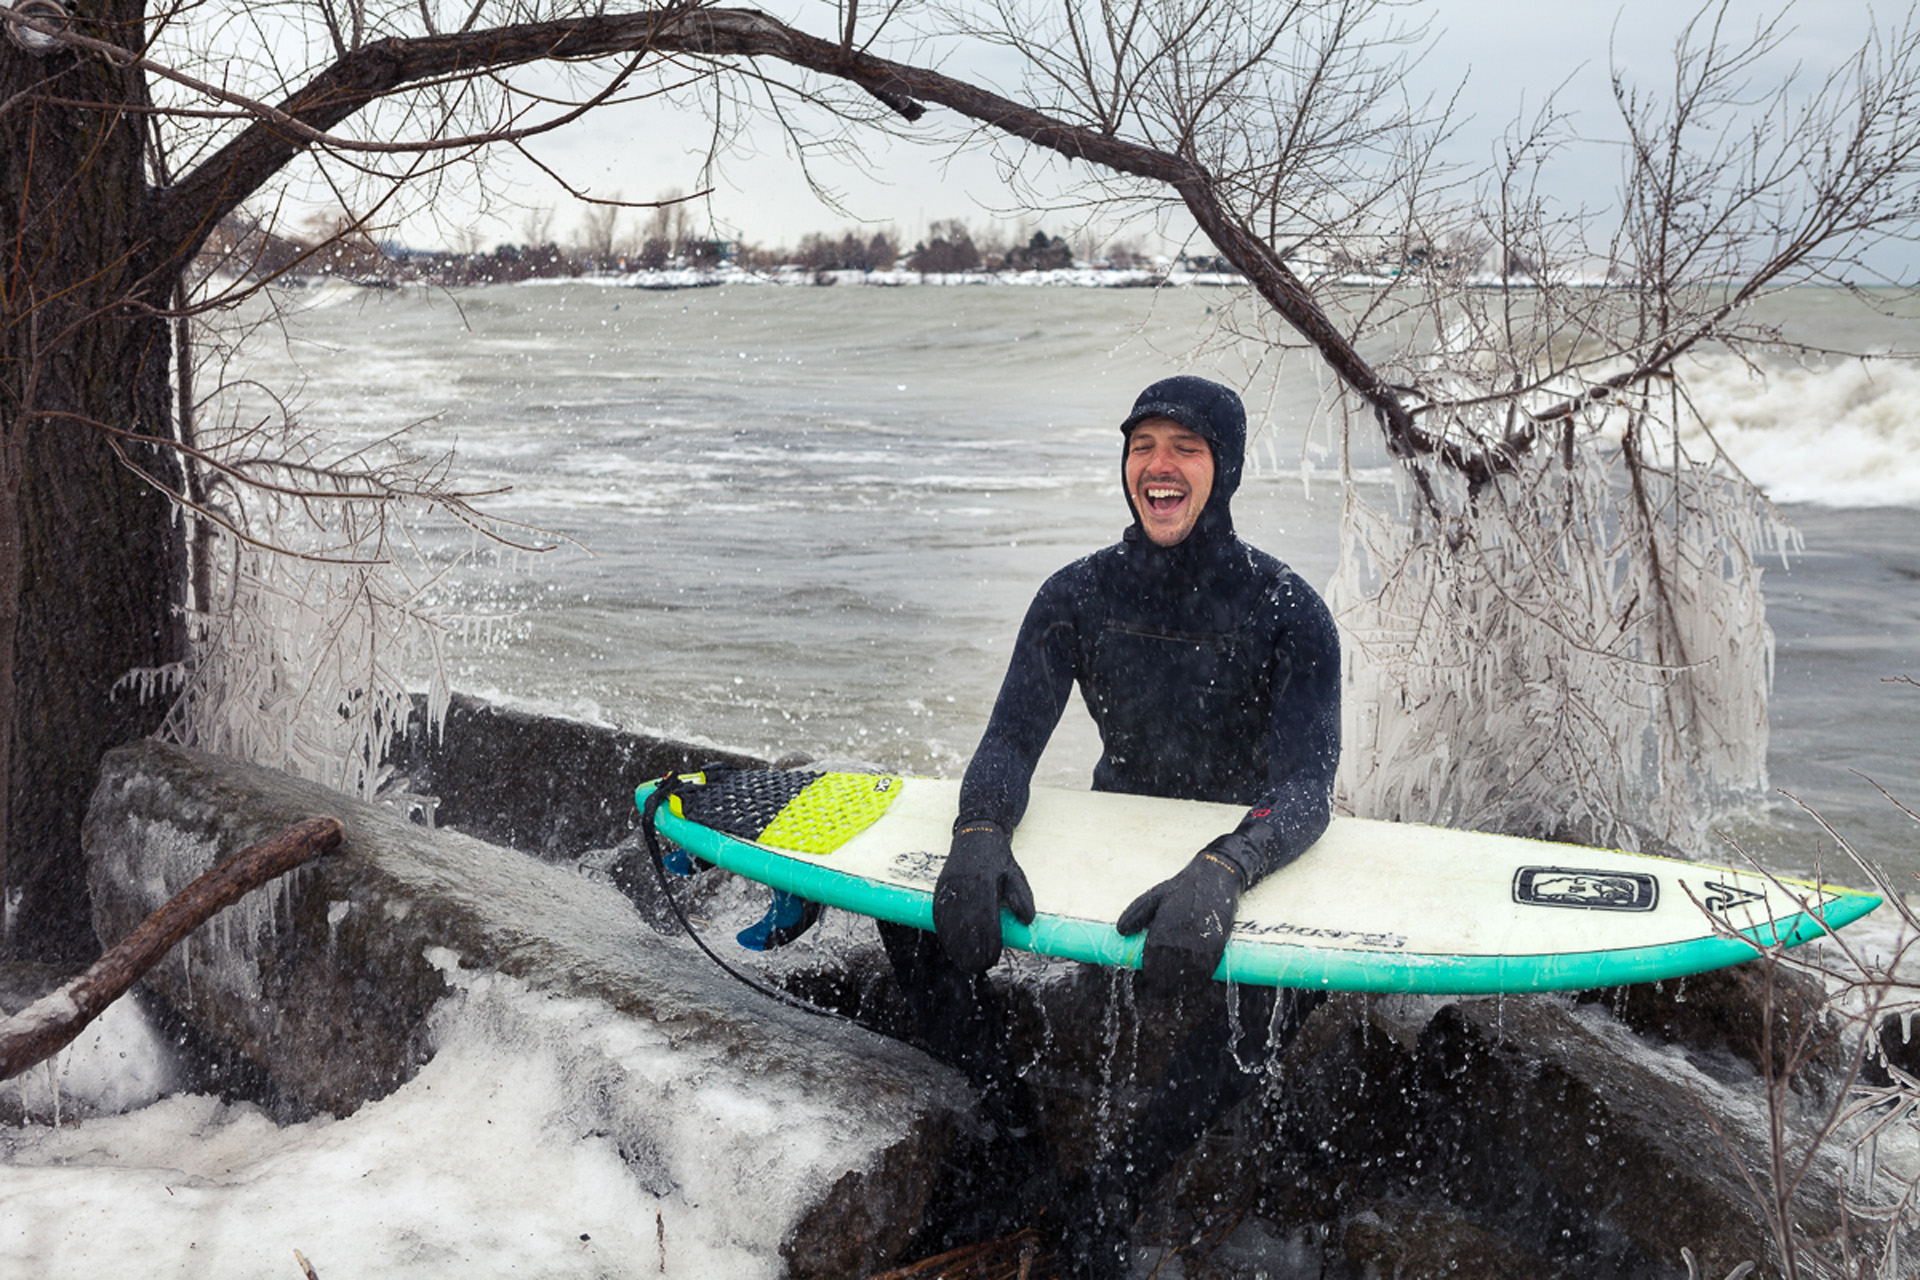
[1846, 434]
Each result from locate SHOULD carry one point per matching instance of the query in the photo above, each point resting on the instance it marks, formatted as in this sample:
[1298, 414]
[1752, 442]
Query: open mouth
[1162, 499]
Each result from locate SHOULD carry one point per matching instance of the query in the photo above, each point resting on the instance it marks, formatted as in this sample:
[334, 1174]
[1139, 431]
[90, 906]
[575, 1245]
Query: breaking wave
[1844, 434]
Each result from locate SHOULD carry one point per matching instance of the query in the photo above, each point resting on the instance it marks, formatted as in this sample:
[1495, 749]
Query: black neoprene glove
[980, 876]
[1188, 917]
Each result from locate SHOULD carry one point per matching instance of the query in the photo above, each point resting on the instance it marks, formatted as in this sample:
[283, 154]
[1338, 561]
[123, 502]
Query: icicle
[336, 912]
[1281, 1011]
[1873, 1161]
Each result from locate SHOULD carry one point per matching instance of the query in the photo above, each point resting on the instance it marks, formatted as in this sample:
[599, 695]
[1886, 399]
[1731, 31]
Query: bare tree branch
[219, 184]
[51, 1023]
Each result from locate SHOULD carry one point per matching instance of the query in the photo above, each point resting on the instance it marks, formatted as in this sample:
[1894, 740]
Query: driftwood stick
[1009, 1258]
[50, 1023]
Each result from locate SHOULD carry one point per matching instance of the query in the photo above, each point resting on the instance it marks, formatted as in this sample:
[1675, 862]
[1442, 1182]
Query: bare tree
[669, 228]
[536, 226]
[600, 232]
[1561, 630]
[949, 247]
[1569, 634]
[126, 145]
[853, 251]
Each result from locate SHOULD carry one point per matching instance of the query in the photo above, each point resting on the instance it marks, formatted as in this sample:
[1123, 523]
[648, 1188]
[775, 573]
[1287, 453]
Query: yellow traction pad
[831, 811]
[792, 810]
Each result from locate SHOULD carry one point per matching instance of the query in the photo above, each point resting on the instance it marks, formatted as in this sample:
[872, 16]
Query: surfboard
[1372, 906]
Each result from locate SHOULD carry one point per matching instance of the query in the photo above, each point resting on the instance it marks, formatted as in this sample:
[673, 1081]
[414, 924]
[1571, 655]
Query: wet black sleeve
[1032, 696]
[1303, 747]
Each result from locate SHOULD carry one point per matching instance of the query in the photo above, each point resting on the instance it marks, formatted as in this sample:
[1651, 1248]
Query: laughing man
[1212, 673]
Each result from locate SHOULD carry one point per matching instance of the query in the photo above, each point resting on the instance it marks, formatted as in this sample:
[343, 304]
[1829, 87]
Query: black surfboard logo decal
[1586, 889]
[1722, 898]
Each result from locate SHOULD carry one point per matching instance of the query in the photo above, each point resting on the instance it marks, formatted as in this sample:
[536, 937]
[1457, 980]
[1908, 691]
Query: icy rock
[1526, 1136]
[1720, 1019]
[329, 981]
[1897, 1049]
[479, 772]
[1542, 1137]
[1395, 1240]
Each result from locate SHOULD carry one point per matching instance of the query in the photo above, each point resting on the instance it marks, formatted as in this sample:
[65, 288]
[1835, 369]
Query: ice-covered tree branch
[51, 1023]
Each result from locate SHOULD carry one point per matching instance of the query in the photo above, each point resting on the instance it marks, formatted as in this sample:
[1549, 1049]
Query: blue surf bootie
[787, 918]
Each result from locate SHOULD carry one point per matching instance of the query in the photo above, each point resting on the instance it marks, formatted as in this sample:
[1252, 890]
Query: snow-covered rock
[805, 1142]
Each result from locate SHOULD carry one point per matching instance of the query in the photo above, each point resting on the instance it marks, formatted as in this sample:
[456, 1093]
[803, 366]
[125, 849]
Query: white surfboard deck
[1372, 906]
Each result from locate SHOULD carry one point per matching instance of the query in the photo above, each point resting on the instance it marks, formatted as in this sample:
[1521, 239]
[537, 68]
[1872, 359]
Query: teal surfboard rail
[1280, 964]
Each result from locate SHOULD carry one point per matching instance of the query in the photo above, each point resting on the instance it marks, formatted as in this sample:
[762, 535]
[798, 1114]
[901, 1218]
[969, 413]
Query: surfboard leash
[666, 788]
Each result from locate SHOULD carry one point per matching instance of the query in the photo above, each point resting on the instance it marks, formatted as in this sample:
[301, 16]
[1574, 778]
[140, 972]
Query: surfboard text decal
[1350, 937]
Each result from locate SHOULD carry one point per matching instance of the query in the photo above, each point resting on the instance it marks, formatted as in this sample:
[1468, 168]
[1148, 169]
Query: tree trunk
[97, 554]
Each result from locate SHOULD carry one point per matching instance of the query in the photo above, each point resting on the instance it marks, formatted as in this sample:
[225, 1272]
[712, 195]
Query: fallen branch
[50, 1023]
[1009, 1258]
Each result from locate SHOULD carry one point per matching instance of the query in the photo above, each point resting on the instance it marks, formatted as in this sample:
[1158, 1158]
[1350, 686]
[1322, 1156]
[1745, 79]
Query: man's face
[1169, 475]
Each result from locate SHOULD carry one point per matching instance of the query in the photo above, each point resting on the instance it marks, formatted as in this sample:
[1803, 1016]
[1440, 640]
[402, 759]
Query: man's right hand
[980, 877]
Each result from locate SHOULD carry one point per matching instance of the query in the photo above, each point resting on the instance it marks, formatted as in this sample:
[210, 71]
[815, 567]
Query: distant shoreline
[673, 280]
[686, 278]
[1069, 277]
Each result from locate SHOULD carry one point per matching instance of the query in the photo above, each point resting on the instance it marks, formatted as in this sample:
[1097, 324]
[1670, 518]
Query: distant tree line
[329, 245]
[949, 247]
[850, 252]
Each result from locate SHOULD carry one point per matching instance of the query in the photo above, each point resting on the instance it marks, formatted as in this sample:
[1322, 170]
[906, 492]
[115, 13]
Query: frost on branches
[306, 665]
[317, 606]
[1580, 649]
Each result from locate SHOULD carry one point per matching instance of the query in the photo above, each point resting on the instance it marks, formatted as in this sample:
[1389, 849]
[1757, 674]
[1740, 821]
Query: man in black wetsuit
[1213, 673]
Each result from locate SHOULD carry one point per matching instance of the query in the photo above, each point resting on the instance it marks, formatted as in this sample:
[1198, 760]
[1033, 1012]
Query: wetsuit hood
[1215, 414]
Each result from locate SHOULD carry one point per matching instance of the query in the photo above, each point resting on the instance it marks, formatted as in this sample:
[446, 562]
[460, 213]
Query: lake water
[811, 518]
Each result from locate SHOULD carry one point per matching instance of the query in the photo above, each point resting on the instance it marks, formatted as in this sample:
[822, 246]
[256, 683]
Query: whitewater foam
[1843, 434]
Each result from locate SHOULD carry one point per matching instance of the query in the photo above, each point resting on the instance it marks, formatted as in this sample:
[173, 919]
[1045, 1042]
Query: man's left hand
[1188, 917]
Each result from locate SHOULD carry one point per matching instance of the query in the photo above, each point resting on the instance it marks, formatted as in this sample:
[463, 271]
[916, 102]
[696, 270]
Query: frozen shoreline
[1081, 277]
[678, 279]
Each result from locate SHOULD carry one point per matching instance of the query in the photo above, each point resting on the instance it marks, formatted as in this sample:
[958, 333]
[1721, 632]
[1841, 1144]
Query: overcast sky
[1508, 54]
